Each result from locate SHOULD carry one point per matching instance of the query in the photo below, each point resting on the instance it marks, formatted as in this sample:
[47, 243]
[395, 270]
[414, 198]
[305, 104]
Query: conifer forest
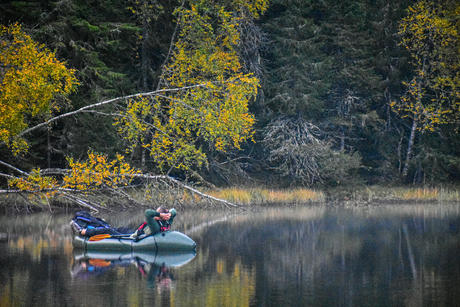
[97, 95]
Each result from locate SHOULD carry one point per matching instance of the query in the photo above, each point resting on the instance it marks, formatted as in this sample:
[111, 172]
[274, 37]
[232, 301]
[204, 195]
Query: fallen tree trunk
[71, 194]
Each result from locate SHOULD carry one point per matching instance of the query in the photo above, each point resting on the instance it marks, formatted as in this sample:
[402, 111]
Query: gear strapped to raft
[84, 219]
[93, 225]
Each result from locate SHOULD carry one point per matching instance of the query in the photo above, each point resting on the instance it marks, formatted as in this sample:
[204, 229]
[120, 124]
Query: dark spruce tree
[319, 67]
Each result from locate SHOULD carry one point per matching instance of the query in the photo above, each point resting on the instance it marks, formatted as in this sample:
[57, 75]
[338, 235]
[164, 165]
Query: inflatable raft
[168, 241]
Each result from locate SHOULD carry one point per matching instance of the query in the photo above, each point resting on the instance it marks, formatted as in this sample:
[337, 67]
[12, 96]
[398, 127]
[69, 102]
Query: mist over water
[317, 256]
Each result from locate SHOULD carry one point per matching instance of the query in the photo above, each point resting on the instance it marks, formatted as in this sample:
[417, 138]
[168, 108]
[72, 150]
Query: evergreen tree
[320, 66]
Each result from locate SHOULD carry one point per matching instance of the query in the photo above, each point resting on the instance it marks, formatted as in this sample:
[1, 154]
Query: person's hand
[83, 231]
[165, 216]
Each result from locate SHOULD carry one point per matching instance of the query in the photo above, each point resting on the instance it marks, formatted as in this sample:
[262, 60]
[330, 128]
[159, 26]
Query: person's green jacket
[157, 226]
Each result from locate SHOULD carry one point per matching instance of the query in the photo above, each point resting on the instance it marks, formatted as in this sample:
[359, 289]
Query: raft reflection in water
[155, 266]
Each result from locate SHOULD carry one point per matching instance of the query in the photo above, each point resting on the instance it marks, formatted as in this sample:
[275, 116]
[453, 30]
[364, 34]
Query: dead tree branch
[186, 187]
[13, 168]
[105, 102]
[70, 193]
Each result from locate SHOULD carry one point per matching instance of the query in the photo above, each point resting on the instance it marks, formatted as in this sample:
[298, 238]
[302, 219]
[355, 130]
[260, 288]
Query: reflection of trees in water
[37, 233]
[224, 284]
[32, 269]
[401, 255]
[118, 283]
[27, 281]
[344, 257]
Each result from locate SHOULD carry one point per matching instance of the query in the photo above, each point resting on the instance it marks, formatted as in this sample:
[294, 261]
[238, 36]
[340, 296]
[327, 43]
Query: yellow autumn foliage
[210, 106]
[35, 182]
[97, 172]
[431, 37]
[30, 79]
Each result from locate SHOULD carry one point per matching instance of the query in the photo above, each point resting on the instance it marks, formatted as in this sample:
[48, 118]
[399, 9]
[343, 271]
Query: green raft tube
[168, 241]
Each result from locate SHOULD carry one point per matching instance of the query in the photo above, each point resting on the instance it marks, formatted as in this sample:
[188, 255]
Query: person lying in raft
[155, 221]
[84, 224]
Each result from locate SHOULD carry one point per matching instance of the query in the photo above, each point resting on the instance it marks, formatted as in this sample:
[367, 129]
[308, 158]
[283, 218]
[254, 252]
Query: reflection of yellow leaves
[46, 242]
[234, 289]
[220, 266]
[6, 297]
[19, 243]
[121, 271]
[38, 248]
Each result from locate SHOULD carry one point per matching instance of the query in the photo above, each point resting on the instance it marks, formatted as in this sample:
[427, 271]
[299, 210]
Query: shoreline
[246, 197]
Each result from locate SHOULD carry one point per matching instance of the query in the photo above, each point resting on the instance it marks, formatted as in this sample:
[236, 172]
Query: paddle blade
[99, 237]
[99, 262]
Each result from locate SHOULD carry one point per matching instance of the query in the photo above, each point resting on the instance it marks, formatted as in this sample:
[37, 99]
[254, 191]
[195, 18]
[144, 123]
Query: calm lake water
[404, 255]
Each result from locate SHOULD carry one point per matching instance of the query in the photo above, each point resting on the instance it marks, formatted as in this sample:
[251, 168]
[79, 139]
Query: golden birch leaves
[431, 37]
[210, 107]
[30, 79]
[98, 172]
[95, 173]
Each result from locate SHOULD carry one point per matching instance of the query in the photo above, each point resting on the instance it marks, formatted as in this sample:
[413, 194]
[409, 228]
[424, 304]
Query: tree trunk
[409, 148]
[48, 139]
[414, 125]
[398, 151]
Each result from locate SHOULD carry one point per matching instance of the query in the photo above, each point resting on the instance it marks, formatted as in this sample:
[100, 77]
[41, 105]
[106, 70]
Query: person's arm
[150, 216]
[173, 215]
